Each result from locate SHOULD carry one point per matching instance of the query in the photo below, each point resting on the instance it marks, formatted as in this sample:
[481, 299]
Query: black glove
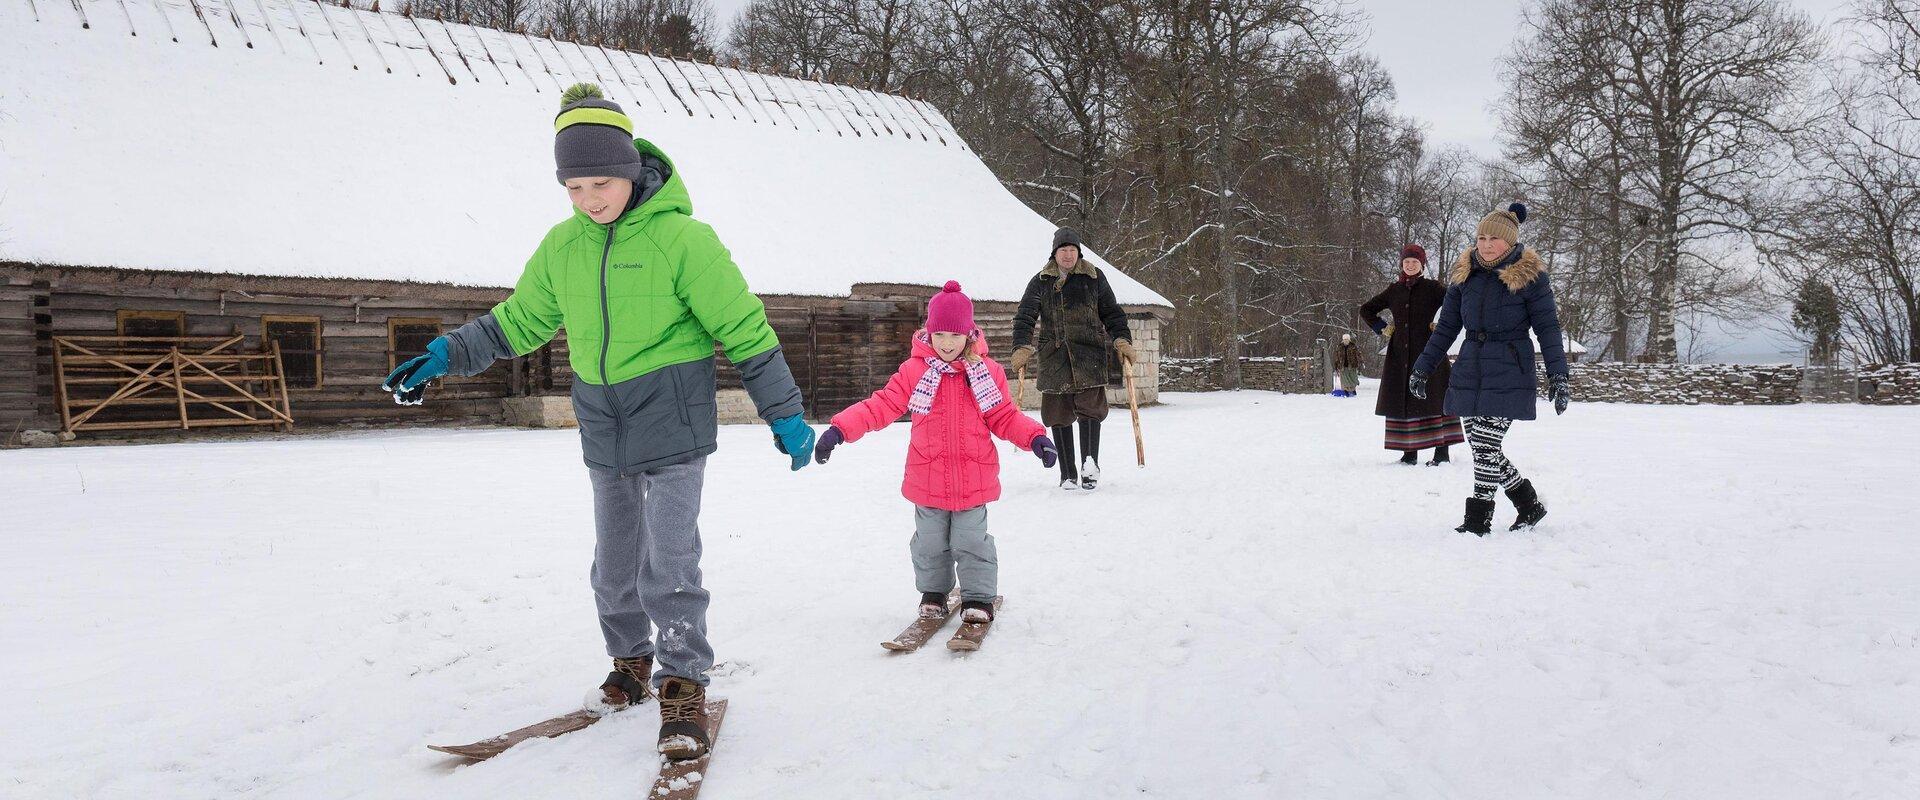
[1417, 386]
[1561, 393]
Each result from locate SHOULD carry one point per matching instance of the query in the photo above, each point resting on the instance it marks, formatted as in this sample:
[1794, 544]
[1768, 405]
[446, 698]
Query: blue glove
[1561, 393]
[1376, 324]
[1417, 386]
[792, 437]
[1043, 447]
[831, 439]
[408, 382]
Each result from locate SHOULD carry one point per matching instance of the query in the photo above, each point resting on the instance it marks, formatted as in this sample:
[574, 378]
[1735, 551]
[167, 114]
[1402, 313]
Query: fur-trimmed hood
[1516, 275]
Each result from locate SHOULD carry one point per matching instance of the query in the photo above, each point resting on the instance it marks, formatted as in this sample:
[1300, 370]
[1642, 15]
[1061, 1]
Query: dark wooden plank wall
[19, 395]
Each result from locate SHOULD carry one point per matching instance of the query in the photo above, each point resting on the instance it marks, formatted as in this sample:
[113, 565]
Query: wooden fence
[154, 382]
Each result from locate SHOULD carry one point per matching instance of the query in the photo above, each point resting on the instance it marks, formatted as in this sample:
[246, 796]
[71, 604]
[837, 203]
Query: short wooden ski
[967, 639]
[922, 629]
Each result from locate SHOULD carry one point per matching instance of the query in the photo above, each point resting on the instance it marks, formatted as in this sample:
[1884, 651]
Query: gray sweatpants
[943, 540]
[646, 567]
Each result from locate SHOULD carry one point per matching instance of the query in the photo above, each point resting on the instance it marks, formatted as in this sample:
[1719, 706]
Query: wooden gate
[157, 382]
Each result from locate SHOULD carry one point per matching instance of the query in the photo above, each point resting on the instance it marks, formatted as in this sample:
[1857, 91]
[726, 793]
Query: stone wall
[1889, 384]
[1684, 384]
[1292, 375]
[1670, 384]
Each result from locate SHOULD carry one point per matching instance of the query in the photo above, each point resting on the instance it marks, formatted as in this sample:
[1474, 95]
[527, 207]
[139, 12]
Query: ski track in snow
[1722, 603]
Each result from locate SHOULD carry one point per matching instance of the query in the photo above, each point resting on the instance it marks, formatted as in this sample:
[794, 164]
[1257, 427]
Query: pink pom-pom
[952, 286]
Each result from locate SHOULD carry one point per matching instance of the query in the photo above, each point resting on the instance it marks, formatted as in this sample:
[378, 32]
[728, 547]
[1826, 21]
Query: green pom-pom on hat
[579, 92]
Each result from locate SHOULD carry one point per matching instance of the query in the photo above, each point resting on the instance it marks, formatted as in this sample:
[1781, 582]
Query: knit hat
[1414, 251]
[950, 311]
[1503, 224]
[592, 138]
[1064, 237]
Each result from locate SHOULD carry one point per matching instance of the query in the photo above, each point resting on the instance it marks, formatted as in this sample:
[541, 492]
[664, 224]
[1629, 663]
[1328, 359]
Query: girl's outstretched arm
[1006, 421]
[878, 411]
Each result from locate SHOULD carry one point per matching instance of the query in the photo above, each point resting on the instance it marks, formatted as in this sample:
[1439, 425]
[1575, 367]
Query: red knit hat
[950, 311]
[1414, 251]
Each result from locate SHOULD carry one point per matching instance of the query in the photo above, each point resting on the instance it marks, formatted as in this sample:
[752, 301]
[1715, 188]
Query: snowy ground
[1722, 604]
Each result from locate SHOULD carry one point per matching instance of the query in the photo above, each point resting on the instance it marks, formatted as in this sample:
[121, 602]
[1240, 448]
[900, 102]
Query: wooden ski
[490, 747]
[923, 629]
[967, 639]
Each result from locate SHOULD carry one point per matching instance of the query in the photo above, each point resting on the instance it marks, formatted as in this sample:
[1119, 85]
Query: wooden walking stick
[1133, 404]
[1020, 389]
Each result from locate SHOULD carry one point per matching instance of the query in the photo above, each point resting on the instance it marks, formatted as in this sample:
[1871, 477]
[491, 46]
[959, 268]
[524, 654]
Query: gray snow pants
[646, 567]
[943, 540]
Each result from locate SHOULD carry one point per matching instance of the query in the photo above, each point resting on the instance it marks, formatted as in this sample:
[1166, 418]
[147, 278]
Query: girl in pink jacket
[957, 397]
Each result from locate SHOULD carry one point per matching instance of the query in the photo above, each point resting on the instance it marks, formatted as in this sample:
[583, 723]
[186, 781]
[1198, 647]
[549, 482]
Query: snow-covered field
[1723, 603]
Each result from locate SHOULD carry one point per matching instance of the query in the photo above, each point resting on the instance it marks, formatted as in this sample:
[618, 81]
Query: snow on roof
[296, 138]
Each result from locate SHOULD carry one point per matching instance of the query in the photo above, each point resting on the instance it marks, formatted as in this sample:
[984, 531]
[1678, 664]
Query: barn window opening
[141, 323]
[300, 352]
[408, 337]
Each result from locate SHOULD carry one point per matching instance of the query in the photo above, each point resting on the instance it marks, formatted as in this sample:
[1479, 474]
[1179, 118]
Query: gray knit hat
[1064, 237]
[592, 137]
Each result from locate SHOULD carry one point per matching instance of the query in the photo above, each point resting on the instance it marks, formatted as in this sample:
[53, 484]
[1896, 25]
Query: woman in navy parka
[1499, 290]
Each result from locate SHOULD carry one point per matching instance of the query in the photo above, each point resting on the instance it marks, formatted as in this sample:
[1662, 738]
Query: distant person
[1413, 423]
[1499, 290]
[1067, 324]
[1346, 362]
[643, 290]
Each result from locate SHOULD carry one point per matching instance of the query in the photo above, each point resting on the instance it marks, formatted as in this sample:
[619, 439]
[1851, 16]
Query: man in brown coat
[1068, 324]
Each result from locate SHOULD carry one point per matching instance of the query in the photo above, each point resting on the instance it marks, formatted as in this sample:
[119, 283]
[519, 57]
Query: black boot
[1527, 502]
[1063, 439]
[1439, 456]
[1479, 517]
[1410, 457]
[1090, 452]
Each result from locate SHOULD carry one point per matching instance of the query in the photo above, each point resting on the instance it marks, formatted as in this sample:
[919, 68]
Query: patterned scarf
[985, 393]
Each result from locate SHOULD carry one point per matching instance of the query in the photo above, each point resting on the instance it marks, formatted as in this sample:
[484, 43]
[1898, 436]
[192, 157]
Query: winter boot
[933, 605]
[1410, 457]
[683, 719]
[976, 611]
[1479, 517]
[1439, 456]
[1527, 503]
[626, 685]
[1090, 449]
[1063, 439]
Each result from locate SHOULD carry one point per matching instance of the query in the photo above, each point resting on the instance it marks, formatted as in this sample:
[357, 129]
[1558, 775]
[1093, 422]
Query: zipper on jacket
[606, 341]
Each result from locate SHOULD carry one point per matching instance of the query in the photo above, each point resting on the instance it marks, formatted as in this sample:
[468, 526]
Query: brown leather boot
[683, 719]
[628, 683]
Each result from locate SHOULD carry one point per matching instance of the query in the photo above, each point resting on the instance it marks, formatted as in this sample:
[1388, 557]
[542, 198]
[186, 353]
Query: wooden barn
[242, 214]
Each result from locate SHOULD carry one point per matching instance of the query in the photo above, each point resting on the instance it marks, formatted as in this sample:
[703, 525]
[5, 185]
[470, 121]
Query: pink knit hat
[950, 311]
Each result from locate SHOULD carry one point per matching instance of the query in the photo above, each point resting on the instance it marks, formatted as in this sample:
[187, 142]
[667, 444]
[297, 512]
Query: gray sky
[1452, 84]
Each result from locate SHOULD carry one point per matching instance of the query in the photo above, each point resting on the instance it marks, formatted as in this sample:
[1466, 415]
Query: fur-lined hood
[1515, 275]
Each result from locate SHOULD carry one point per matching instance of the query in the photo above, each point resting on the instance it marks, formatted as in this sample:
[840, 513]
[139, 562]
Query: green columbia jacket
[643, 300]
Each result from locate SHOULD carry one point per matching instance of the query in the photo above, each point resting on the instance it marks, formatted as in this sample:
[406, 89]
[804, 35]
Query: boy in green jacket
[644, 290]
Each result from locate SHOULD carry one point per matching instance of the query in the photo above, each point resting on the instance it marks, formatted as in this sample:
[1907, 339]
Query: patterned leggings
[1491, 469]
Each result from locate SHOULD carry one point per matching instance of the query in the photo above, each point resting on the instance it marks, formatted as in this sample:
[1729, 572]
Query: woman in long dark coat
[1499, 291]
[1413, 423]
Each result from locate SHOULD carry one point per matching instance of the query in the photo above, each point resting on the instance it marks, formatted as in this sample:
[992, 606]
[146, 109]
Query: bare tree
[1680, 99]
